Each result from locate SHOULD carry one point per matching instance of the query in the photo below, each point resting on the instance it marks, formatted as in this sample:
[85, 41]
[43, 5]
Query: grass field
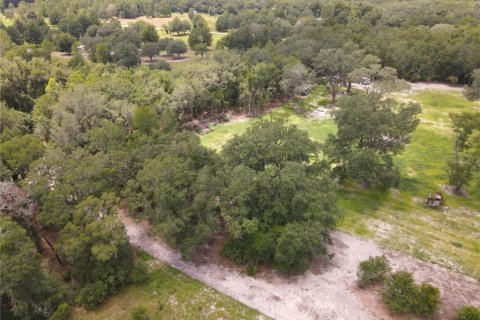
[169, 294]
[5, 21]
[398, 219]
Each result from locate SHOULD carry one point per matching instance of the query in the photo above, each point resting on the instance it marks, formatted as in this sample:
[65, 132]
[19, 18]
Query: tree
[98, 252]
[64, 42]
[260, 84]
[200, 49]
[465, 160]
[295, 78]
[31, 291]
[370, 132]
[176, 47]
[271, 199]
[179, 26]
[222, 24]
[35, 31]
[149, 33]
[21, 82]
[473, 91]
[126, 54]
[200, 34]
[336, 64]
[177, 191]
[102, 53]
[375, 79]
[150, 49]
[18, 153]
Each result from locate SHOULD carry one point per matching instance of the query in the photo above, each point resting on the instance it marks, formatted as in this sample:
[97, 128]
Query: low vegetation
[469, 313]
[168, 294]
[403, 296]
[373, 271]
[96, 127]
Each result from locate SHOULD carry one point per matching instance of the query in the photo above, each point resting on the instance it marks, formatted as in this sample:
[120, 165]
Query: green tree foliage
[177, 47]
[126, 54]
[18, 153]
[96, 246]
[465, 160]
[102, 53]
[295, 79]
[370, 132]
[200, 49]
[260, 85]
[149, 33]
[35, 293]
[468, 313]
[271, 198]
[177, 192]
[179, 26]
[402, 295]
[13, 123]
[64, 42]
[35, 31]
[336, 64]
[21, 82]
[400, 292]
[372, 271]
[62, 312]
[200, 33]
[139, 313]
[473, 91]
[150, 49]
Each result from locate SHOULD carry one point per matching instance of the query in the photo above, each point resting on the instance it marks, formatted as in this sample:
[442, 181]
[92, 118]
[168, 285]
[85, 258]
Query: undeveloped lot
[328, 291]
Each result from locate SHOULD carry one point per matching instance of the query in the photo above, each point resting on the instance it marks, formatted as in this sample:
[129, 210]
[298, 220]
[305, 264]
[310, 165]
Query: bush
[469, 313]
[372, 271]
[139, 313]
[62, 312]
[139, 273]
[400, 293]
[160, 65]
[93, 294]
[428, 300]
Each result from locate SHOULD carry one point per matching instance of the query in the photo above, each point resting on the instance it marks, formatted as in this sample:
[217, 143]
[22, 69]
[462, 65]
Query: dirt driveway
[326, 292]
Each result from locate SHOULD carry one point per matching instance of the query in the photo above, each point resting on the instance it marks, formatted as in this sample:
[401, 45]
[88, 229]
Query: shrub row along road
[327, 291]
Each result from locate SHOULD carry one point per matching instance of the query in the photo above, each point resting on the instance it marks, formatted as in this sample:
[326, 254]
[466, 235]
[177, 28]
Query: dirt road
[326, 292]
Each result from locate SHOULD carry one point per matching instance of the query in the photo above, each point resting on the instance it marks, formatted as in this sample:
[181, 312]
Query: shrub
[372, 271]
[139, 313]
[93, 294]
[62, 312]
[139, 273]
[252, 271]
[161, 65]
[469, 313]
[400, 293]
[428, 300]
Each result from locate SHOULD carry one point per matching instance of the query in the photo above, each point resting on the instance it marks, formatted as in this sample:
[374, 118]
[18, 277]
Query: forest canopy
[99, 116]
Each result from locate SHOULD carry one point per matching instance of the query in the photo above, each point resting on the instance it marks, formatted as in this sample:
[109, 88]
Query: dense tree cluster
[83, 139]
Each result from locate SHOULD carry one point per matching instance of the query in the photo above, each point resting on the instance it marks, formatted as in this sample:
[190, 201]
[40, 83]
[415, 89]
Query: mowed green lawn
[169, 294]
[398, 219]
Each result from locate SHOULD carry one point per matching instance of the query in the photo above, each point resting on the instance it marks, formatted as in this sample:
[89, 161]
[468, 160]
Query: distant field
[6, 21]
[398, 219]
[169, 294]
[159, 22]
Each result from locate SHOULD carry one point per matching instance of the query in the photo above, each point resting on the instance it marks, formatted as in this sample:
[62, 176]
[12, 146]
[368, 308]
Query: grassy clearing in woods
[397, 218]
[169, 294]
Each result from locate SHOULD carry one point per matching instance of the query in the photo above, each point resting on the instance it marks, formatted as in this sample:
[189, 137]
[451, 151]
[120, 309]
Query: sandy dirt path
[327, 292]
[416, 86]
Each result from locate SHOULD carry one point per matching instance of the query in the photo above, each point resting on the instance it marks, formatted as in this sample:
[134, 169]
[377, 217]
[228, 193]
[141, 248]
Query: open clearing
[327, 291]
[397, 219]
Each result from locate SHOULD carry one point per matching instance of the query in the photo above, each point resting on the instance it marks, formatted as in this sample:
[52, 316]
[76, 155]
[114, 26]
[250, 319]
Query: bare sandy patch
[329, 291]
